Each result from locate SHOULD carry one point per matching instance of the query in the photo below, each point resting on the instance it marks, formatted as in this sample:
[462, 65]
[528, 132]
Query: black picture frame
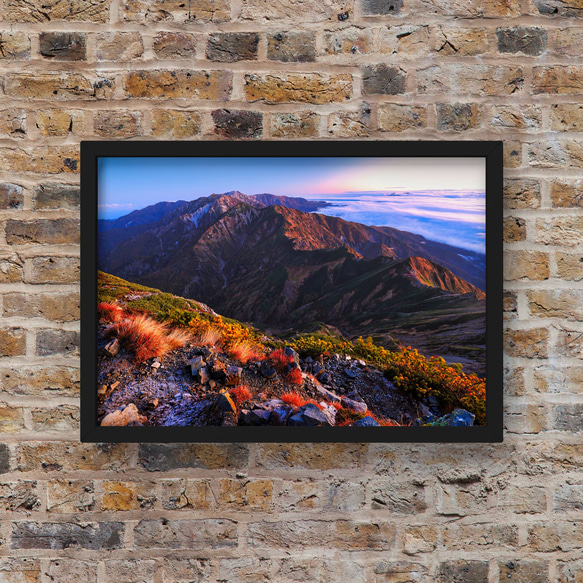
[491, 151]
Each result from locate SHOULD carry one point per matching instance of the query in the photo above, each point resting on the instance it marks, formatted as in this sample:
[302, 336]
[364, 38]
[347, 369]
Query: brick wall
[267, 69]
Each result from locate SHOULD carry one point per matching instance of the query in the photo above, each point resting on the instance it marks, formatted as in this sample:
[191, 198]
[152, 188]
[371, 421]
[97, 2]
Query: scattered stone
[233, 376]
[357, 406]
[313, 416]
[459, 418]
[328, 395]
[217, 371]
[212, 384]
[367, 421]
[325, 377]
[225, 403]
[115, 385]
[351, 373]
[318, 369]
[121, 418]
[204, 376]
[267, 371]
[111, 348]
[102, 390]
[155, 365]
[196, 362]
[291, 352]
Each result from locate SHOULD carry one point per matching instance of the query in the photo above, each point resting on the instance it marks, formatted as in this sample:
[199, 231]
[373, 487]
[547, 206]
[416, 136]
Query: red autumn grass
[146, 337]
[336, 405]
[244, 352]
[109, 312]
[293, 399]
[294, 377]
[280, 360]
[240, 394]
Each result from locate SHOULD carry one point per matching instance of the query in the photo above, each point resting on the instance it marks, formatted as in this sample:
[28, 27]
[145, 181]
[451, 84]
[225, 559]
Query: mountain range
[272, 261]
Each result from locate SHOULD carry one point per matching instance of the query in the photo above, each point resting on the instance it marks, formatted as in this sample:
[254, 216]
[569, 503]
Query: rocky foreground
[202, 386]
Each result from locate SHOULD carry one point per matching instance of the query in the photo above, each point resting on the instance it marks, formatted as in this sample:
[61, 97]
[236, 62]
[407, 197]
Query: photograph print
[296, 291]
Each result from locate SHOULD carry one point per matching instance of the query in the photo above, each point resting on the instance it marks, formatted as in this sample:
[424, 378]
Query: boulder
[280, 415]
[460, 418]
[313, 416]
[196, 362]
[111, 348]
[291, 352]
[254, 417]
[225, 403]
[267, 371]
[318, 369]
[233, 376]
[204, 376]
[328, 395]
[366, 422]
[357, 406]
[217, 371]
[122, 418]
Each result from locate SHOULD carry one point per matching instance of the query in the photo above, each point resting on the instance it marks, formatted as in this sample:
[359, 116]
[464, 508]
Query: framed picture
[291, 291]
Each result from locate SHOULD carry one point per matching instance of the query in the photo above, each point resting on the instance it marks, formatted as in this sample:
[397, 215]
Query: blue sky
[373, 190]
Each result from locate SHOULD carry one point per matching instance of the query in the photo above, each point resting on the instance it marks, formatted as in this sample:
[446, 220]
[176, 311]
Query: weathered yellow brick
[68, 496]
[533, 265]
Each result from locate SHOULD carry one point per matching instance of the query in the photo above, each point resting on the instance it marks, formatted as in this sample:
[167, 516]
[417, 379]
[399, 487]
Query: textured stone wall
[281, 69]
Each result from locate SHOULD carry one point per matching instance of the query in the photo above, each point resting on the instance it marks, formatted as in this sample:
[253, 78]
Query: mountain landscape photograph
[313, 291]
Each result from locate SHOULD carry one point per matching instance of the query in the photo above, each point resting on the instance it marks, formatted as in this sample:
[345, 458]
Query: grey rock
[291, 352]
[196, 362]
[313, 416]
[225, 403]
[357, 406]
[280, 415]
[460, 418]
[204, 376]
[111, 348]
[328, 395]
[297, 420]
[233, 375]
[351, 373]
[254, 417]
[267, 371]
[366, 422]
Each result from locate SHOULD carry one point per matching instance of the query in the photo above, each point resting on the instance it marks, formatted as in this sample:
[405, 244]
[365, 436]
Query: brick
[570, 266]
[567, 194]
[395, 117]
[342, 534]
[567, 117]
[512, 157]
[54, 270]
[57, 86]
[306, 456]
[291, 47]
[245, 570]
[524, 499]
[527, 343]
[569, 343]
[420, 539]
[343, 496]
[199, 11]
[479, 537]
[13, 123]
[64, 535]
[510, 305]
[42, 160]
[569, 41]
[11, 269]
[462, 572]
[21, 570]
[298, 88]
[457, 117]
[59, 122]
[175, 45]
[62, 418]
[4, 458]
[11, 196]
[117, 124]
[176, 124]
[558, 80]
[524, 571]
[354, 40]
[186, 534]
[289, 10]
[399, 498]
[383, 80]
[558, 380]
[119, 46]
[462, 42]
[119, 495]
[69, 496]
[15, 46]
[19, 496]
[231, 47]
[130, 570]
[569, 571]
[55, 196]
[302, 124]
[532, 265]
[350, 124]
[53, 11]
[461, 499]
[37, 381]
[211, 85]
[525, 117]
[69, 457]
[186, 493]
[300, 495]
[63, 46]
[568, 417]
[521, 193]
[528, 40]
[399, 571]
[469, 9]
[51, 306]
[547, 537]
[381, 7]
[524, 418]
[514, 229]
[12, 342]
[250, 495]
[563, 231]
[72, 571]
[556, 7]
[558, 303]
[492, 80]
[164, 457]
[568, 498]
[52, 342]
[320, 569]
[43, 232]
[237, 125]
[407, 40]
[183, 569]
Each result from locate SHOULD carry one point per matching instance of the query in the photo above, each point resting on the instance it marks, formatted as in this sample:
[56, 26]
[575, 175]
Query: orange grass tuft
[240, 394]
[293, 399]
[210, 337]
[109, 312]
[294, 377]
[280, 360]
[244, 352]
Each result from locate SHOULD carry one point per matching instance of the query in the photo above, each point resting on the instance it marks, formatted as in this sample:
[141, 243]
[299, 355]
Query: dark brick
[462, 572]
[524, 571]
[229, 47]
[374, 7]
[174, 45]
[63, 46]
[569, 417]
[54, 270]
[526, 40]
[186, 534]
[383, 80]
[161, 457]
[290, 47]
[238, 124]
[457, 117]
[50, 342]
[4, 458]
[54, 196]
[558, 7]
[11, 196]
[64, 535]
[43, 231]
